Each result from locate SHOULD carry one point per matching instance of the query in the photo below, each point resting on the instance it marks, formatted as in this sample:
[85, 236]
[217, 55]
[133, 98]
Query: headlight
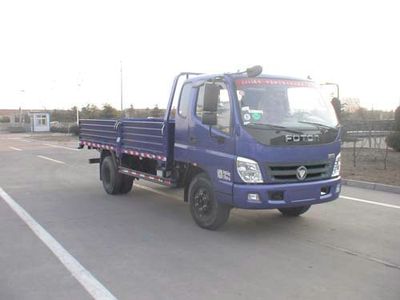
[248, 170]
[336, 166]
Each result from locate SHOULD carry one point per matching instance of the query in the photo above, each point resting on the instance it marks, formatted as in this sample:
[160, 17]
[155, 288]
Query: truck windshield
[287, 103]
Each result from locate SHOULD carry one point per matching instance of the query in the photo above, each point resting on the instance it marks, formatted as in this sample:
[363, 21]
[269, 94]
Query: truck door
[212, 147]
[182, 122]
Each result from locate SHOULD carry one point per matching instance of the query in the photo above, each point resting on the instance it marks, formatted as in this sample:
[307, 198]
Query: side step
[149, 177]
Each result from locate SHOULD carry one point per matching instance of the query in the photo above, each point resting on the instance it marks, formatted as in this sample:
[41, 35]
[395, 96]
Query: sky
[59, 54]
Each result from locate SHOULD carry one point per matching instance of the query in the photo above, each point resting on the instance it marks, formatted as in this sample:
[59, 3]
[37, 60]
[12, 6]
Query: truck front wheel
[206, 211]
[294, 211]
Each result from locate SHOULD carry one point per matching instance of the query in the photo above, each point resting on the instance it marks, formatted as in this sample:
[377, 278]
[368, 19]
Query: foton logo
[296, 138]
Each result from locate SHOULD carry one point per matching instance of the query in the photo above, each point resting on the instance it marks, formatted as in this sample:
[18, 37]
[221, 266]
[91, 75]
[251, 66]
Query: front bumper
[285, 195]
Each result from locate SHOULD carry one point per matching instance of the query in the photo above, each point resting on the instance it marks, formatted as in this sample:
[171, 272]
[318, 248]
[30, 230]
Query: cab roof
[206, 77]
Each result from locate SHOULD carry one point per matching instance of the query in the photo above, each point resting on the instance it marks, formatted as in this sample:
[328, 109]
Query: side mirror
[330, 91]
[337, 106]
[210, 106]
[209, 118]
[211, 97]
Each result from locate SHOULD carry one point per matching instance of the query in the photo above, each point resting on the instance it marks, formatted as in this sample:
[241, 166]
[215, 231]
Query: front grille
[287, 172]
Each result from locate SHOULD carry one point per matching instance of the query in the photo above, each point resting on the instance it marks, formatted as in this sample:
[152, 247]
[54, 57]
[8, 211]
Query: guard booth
[40, 121]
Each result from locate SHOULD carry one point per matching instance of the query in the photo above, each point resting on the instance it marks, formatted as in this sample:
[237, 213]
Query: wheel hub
[202, 202]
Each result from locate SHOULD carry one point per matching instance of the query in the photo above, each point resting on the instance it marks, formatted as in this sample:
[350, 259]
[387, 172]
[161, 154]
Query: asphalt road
[144, 245]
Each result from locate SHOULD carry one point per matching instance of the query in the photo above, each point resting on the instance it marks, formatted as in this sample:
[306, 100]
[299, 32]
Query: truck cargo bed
[150, 138]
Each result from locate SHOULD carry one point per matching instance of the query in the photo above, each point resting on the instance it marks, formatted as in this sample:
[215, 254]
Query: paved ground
[144, 245]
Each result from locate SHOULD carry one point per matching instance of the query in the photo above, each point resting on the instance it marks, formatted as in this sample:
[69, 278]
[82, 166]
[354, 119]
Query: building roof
[38, 112]
[13, 112]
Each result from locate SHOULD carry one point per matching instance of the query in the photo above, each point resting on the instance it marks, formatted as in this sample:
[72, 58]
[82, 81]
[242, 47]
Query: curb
[372, 186]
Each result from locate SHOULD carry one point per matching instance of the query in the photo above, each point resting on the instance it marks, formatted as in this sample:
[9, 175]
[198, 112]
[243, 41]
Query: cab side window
[224, 108]
[184, 100]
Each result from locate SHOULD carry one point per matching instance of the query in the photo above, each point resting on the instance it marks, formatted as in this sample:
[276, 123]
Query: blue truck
[233, 140]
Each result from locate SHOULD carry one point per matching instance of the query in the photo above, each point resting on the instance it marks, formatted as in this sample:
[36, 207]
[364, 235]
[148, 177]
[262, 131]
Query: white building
[40, 121]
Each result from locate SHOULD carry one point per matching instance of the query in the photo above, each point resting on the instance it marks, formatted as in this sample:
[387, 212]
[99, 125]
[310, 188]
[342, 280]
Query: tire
[206, 211]
[294, 211]
[112, 180]
[126, 186]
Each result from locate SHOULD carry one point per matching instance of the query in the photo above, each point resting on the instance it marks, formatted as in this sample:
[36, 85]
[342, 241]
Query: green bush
[5, 119]
[59, 129]
[74, 129]
[16, 129]
[393, 140]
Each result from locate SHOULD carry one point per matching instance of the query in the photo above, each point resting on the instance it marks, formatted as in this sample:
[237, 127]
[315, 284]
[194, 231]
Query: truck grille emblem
[301, 173]
[296, 138]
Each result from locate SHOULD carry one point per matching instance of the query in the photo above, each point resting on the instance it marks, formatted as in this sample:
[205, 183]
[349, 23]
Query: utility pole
[77, 116]
[122, 93]
[20, 110]
[79, 85]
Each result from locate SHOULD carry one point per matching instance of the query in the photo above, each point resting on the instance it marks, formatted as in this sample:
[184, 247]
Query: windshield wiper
[272, 126]
[319, 125]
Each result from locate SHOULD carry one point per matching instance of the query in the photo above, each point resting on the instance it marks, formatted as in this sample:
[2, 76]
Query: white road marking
[62, 147]
[15, 148]
[157, 192]
[85, 278]
[370, 202]
[53, 160]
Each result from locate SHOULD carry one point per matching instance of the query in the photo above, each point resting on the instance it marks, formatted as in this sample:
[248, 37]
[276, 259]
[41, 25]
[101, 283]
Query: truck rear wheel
[294, 211]
[112, 180]
[126, 186]
[206, 211]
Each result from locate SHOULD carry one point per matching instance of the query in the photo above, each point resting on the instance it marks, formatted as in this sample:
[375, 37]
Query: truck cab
[251, 141]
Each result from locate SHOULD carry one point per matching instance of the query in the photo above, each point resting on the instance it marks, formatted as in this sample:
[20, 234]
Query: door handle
[162, 129]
